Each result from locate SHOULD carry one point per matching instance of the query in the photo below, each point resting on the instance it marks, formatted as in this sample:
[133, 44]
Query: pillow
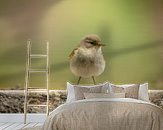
[131, 91]
[143, 92]
[71, 91]
[104, 95]
[79, 91]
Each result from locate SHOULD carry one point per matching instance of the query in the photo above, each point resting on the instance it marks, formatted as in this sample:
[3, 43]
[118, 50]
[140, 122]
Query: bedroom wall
[132, 31]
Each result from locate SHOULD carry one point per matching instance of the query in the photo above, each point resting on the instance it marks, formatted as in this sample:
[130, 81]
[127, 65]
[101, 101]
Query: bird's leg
[79, 80]
[93, 79]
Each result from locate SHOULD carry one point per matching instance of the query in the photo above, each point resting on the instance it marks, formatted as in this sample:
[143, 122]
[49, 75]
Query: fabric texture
[103, 95]
[130, 91]
[105, 87]
[105, 114]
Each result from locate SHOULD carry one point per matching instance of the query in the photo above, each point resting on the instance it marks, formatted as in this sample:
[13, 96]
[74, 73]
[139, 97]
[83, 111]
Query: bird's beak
[100, 44]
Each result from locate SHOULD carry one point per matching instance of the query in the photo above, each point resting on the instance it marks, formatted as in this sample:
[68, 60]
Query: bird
[87, 60]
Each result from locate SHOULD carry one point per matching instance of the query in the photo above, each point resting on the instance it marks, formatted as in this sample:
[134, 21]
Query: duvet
[106, 114]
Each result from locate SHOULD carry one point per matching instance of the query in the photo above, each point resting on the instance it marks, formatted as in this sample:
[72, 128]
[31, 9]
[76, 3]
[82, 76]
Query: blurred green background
[132, 30]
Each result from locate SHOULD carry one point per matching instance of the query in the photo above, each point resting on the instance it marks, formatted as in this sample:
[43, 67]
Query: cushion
[131, 91]
[79, 91]
[104, 95]
[143, 92]
[71, 90]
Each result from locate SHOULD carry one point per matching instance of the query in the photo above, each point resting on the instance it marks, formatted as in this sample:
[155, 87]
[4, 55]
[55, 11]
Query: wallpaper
[131, 30]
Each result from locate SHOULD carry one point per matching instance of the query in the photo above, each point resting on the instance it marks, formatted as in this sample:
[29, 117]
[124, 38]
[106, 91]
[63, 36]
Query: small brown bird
[87, 59]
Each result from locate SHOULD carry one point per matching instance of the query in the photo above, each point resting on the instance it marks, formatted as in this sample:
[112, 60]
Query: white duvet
[106, 114]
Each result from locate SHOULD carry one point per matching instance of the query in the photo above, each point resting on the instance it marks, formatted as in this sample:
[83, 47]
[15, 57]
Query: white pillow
[143, 90]
[71, 92]
[121, 85]
[104, 95]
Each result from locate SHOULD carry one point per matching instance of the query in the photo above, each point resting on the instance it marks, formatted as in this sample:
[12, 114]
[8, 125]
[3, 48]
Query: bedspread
[106, 114]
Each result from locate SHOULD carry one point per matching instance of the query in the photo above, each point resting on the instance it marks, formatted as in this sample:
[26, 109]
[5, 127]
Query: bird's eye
[90, 41]
[93, 43]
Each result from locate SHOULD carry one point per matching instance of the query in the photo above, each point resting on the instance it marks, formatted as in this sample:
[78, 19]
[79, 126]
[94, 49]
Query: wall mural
[131, 30]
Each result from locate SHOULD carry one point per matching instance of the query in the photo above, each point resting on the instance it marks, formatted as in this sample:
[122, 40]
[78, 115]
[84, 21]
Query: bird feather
[72, 53]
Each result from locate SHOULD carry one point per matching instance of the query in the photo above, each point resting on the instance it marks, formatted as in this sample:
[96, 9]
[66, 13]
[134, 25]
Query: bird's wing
[72, 53]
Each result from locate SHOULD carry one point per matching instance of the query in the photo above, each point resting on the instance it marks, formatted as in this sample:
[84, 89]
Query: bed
[103, 113]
